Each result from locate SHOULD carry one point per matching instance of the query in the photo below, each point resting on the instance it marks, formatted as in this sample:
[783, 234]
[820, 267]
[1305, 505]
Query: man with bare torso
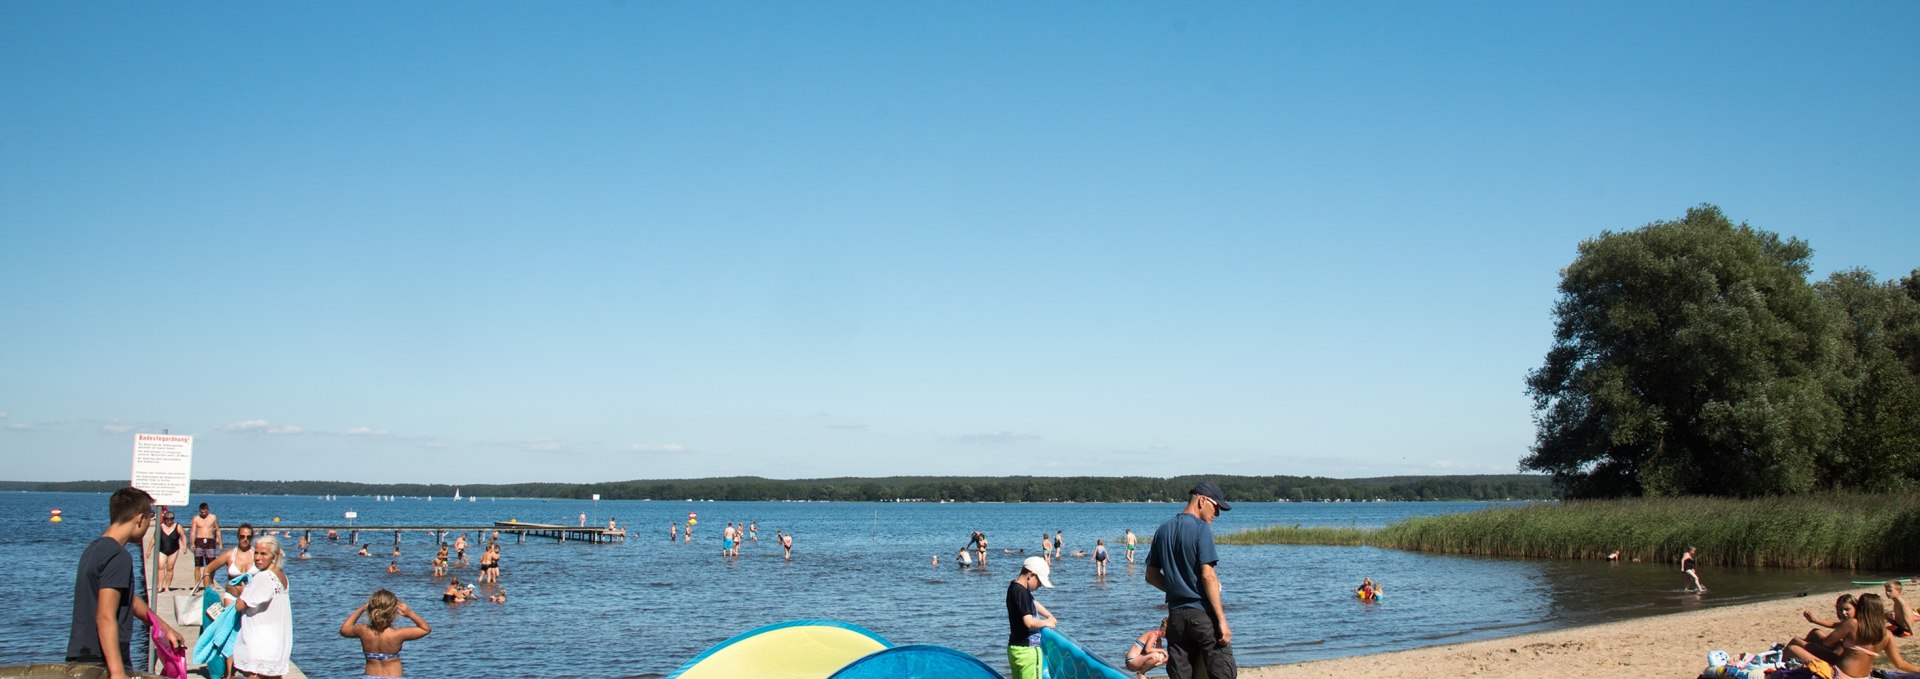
[206, 540]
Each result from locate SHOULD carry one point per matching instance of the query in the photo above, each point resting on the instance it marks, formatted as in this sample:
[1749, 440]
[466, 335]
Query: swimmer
[1131, 541]
[1100, 558]
[963, 558]
[499, 596]
[306, 538]
[936, 561]
[1148, 651]
[753, 531]
[786, 543]
[380, 641]
[392, 566]
[364, 552]
[673, 532]
[454, 593]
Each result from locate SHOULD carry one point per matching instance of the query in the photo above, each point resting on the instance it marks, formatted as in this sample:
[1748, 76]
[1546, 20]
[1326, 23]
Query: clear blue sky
[495, 242]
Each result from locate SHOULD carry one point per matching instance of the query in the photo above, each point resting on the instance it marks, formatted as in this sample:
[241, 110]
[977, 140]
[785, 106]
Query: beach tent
[918, 660]
[798, 649]
[1063, 658]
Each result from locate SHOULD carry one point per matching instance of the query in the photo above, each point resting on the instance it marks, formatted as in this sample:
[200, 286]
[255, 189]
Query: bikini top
[1852, 647]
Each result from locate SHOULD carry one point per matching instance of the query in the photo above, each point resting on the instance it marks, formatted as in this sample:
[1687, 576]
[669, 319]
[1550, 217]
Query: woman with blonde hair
[265, 648]
[379, 640]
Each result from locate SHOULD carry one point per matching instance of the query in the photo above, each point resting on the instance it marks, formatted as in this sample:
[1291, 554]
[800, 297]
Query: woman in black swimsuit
[167, 543]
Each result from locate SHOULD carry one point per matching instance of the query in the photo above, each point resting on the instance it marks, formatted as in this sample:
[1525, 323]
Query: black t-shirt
[105, 565]
[1019, 606]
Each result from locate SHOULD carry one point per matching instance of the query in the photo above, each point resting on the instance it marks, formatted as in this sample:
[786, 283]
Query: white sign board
[163, 466]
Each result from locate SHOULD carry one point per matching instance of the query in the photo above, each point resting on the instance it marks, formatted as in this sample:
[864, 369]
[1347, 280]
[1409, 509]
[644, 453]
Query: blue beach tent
[917, 660]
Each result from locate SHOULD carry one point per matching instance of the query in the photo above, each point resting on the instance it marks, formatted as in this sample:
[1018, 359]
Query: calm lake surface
[642, 608]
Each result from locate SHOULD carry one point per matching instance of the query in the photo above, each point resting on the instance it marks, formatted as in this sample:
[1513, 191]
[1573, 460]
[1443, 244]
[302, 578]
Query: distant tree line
[912, 488]
[1695, 357]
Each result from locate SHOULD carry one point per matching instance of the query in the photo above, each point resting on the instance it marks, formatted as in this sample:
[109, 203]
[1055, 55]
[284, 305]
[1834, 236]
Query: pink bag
[173, 660]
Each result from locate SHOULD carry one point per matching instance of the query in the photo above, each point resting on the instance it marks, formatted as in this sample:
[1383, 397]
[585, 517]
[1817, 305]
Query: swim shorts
[204, 551]
[1024, 661]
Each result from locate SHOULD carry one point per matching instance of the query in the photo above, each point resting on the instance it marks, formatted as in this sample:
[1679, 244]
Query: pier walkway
[180, 586]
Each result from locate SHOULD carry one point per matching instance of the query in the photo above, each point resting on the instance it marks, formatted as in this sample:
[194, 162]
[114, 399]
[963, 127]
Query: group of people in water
[733, 537]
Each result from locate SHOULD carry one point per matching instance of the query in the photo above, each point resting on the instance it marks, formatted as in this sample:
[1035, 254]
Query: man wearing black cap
[1180, 562]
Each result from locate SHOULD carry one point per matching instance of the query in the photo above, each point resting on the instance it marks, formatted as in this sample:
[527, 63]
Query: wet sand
[1673, 645]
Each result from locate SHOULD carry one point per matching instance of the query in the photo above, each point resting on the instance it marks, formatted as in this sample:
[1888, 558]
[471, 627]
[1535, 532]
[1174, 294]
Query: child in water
[1368, 590]
[1147, 651]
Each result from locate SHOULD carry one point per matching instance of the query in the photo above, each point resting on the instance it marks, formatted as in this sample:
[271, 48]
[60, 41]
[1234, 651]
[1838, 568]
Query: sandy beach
[1673, 645]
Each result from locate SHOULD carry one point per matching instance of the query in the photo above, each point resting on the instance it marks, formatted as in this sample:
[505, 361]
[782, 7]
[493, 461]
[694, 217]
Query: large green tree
[1876, 382]
[1689, 357]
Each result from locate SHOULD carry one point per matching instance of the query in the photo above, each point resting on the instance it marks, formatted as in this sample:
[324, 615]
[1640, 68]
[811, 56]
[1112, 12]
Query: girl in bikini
[1865, 645]
[379, 640]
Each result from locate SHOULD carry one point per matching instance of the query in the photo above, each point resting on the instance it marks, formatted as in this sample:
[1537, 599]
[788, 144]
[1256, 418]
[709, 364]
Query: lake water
[642, 608]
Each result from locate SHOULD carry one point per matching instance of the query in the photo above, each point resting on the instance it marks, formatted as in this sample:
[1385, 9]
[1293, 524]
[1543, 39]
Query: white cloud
[18, 427]
[542, 445]
[118, 427]
[3, 414]
[658, 448]
[365, 431]
[849, 427]
[997, 438]
[260, 427]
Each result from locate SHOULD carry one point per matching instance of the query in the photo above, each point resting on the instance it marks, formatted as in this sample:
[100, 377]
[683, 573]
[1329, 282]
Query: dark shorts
[1193, 651]
[205, 550]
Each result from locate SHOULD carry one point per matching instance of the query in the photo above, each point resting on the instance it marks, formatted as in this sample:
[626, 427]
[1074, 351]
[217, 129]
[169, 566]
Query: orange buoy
[56, 515]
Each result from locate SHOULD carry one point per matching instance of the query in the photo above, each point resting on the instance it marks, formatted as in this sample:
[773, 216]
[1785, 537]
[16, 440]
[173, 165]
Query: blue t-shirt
[1179, 547]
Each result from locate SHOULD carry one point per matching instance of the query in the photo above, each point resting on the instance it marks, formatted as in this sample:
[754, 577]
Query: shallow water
[642, 608]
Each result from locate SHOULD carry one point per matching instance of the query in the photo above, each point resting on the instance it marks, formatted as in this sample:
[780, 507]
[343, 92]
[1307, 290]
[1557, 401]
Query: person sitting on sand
[1900, 616]
[1148, 651]
[1828, 643]
[1864, 646]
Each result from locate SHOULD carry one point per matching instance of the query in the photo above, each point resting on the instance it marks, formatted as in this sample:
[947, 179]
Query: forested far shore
[907, 488]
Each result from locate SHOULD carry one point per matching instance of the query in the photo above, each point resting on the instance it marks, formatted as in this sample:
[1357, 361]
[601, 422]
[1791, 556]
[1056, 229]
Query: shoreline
[1671, 644]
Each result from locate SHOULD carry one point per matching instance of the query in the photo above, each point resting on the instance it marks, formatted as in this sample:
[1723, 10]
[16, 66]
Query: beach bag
[186, 609]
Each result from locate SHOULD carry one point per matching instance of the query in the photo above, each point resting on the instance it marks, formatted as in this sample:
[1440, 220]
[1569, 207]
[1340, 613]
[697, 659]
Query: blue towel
[217, 638]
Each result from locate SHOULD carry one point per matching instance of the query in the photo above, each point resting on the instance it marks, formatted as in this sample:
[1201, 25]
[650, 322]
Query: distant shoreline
[904, 488]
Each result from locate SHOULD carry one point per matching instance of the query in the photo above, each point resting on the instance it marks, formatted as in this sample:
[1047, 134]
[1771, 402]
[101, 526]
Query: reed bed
[1813, 531]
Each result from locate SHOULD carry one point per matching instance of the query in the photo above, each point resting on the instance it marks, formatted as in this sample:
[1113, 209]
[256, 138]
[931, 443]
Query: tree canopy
[1695, 357]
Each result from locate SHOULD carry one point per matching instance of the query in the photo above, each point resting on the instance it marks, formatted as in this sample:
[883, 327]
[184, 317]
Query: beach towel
[219, 636]
[173, 659]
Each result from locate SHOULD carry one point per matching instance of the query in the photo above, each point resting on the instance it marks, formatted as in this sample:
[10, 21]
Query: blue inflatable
[1063, 658]
[917, 660]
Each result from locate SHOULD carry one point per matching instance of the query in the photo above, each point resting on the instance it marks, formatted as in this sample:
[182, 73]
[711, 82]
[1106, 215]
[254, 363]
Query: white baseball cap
[1038, 566]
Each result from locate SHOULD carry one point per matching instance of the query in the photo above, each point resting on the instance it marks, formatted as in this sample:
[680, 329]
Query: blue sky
[495, 242]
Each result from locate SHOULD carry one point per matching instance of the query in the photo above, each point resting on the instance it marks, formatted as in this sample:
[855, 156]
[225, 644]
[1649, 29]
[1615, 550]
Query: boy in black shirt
[1026, 617]
[104, 604]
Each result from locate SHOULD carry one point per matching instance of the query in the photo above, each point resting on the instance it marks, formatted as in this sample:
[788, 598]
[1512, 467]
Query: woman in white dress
[265, 648]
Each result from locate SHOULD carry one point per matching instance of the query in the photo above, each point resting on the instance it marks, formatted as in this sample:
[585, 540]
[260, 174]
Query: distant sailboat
[456, 495]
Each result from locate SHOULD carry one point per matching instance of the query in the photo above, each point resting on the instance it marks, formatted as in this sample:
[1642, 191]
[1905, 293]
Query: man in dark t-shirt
[104, 605]
[1181, 563]
[1025, 619]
